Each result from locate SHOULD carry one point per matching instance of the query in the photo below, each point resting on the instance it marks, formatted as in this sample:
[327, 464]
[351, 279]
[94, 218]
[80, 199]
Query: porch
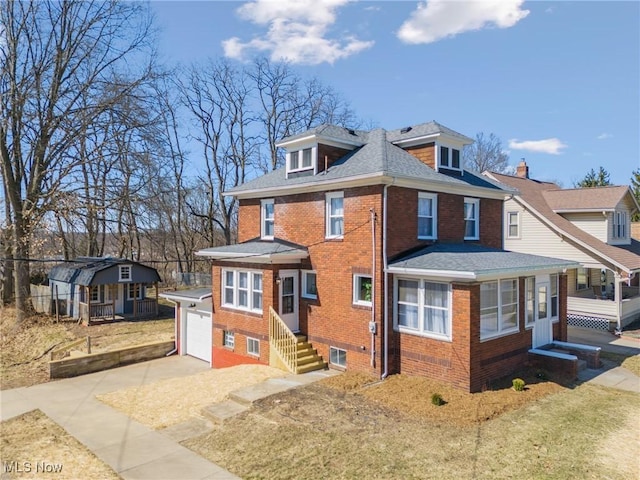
[591, 309]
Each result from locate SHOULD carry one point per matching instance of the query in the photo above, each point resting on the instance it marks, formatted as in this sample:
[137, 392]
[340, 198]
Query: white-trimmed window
[498, 307]
[362, 289]
[471, 219]
[513, 224]
[94, 294]
[423, 307]
[427, 216]
[253, 346]
[242, 289]
[338, 356]
[267, 218]
[135, 290]
[124, 273]
[309, 286]
[335, 215]
[111, 293]
[620, 225]
[300, 160]
[554, 298]
[449, 157]
[229, 339]
[583, 282]
[530, 300]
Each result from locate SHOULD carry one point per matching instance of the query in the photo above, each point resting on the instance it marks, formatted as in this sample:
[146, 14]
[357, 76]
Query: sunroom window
[423, 307]
[498, 307]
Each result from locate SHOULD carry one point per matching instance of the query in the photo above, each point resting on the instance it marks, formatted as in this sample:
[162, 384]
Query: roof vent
[351, 131]
[405, 130]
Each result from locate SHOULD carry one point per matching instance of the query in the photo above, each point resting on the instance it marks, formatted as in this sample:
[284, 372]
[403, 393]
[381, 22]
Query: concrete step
[219, 412]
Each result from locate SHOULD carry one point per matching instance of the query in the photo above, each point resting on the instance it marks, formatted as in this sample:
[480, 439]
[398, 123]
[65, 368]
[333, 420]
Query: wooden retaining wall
[96, 362]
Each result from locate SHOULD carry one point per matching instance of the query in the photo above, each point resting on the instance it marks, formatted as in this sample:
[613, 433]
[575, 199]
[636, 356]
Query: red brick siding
[491, 222]
[331, 153]
[249, 219]
[424, 153]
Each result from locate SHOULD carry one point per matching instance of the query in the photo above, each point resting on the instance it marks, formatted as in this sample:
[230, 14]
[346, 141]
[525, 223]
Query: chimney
[522, 170]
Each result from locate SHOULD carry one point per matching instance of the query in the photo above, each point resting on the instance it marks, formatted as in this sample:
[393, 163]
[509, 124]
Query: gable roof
[473, 262]
[534, 194]
[377, 161]
[594, 199]
[83, 270]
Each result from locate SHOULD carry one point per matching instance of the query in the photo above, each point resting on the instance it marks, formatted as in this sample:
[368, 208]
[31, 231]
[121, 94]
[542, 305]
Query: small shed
[98, 289]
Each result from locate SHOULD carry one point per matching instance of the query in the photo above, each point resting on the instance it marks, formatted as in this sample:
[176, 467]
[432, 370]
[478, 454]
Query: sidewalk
[609, 375]
[133, 450]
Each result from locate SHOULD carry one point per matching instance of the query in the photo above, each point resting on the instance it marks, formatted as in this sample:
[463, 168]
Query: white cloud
[437, 19]
[297, 32]
[548, 145]
[604, 136]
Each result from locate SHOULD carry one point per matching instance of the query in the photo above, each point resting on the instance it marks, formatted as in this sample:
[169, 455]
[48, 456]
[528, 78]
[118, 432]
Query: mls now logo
[28, 467]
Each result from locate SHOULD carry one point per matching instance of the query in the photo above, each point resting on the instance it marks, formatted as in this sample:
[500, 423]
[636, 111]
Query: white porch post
[618, 299]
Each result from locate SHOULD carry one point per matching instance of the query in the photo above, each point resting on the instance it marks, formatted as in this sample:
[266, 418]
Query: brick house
[377, 251]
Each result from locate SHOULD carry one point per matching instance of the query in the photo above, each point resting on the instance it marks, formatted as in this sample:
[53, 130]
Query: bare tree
[486, 154]
[55, 55]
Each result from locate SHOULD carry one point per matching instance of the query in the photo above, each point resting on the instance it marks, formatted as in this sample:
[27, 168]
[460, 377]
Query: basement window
[338, 357]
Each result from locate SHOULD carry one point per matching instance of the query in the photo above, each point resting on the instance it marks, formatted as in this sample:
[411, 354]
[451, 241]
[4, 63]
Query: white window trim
[263, 218]
[501, 330]
[620, 226]
[300, 168]
[529, 281]
[434, 217]
[356, 291]
[421, 305]
[476, 233]
[127, 278]
[251, 340]
[304, 293]
[330, 196]
[338, 350]
[250, 290]
[449, 163]
[555, 319]
[140, 291]
[588, 277]
[94, 289]
[517, 224]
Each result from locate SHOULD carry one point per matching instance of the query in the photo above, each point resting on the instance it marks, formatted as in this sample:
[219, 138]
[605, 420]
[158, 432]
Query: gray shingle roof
[330, 131]
[424, 130]
[378, 156]
[475, 260]
[255, 248]
[82, 270]
[194, 294]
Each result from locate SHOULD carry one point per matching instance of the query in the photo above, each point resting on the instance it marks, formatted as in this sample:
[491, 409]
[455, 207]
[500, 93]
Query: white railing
[283, 341]
[630, 310]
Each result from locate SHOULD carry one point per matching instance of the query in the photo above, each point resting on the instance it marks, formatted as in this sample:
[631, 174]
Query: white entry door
[542, 329]
[289, 299]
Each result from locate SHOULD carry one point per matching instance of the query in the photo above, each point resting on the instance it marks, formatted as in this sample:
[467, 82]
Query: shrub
[437, 399]
[518, 384]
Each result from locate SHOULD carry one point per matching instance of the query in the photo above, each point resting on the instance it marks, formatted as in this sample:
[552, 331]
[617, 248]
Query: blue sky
[558, 82]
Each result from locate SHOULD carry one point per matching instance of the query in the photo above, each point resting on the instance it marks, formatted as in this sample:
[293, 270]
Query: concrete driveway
[133, 450]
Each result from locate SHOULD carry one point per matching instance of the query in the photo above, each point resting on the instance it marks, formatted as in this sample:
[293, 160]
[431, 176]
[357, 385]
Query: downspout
[618, 299]
[385, 281]
[175, 328]
[372, 324]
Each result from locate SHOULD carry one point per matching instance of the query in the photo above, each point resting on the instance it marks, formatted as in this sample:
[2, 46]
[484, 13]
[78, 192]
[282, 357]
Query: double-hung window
[530, 300]
[124, 273]
[554, 297]
[513, 225]
[498, 307]
[362, 290]
[582, 279]
[134, 290]
[335, 215]
[620, 225]
[427, 216]
[267, 216]
[423, 308]
[95, 293]
[242, 290]
[471, 219]
[253, 346]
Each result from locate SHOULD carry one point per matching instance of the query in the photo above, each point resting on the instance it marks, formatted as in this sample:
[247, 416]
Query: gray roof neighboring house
[377, 159]
[83, 270]
[472, 262]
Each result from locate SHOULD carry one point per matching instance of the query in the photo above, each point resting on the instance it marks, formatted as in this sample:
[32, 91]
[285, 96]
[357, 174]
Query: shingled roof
[377, 157]
[546, 199]
[83, 270]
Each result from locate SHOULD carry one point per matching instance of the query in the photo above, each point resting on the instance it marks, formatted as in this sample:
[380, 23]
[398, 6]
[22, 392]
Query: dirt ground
[24, 348]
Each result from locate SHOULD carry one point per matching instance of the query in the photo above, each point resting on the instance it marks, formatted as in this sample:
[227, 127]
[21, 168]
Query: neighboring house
[635, 230]
[98, 289]
[384, 253]
[588, 225]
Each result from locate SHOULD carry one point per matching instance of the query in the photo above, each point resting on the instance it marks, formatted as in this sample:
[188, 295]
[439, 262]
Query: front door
[542, 329]
[115, 293]
[289, 299]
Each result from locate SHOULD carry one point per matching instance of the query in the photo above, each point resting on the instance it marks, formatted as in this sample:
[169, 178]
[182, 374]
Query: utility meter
[372, 327]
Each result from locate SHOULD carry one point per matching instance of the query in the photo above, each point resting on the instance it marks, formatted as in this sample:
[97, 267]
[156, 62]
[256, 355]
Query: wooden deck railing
[283, 341]
[98, 310]
[146, 306]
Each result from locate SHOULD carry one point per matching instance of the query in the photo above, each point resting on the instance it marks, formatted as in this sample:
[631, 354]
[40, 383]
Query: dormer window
[449, 157]
[299, 160]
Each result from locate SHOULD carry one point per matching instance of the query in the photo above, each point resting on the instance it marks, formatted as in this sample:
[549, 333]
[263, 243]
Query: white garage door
[198, 335]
